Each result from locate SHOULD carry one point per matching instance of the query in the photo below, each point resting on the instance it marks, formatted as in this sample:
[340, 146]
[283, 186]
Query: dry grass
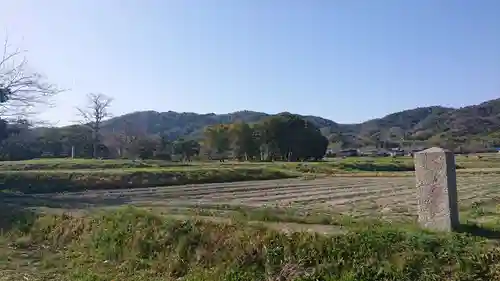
[375, 196]
[130, 244]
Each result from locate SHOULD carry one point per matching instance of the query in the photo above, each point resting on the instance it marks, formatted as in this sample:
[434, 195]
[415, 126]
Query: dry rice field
[361, 196]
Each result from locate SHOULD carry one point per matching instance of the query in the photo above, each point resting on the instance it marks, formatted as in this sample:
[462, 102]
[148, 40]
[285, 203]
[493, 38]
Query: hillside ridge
[435, 124]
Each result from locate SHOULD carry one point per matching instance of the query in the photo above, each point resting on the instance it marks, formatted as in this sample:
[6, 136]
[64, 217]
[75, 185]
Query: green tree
[4, 96]
[165, 148]
[3, 130]
[289, 137]
[21, 143]
[244, 141]
[217, 139]
[318, 150]
[268, 131]
[186, 148]
[147, 147]
[79, 137]
[52, 143]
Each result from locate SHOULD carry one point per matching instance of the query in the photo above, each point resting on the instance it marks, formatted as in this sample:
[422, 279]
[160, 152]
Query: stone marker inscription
[437, 189]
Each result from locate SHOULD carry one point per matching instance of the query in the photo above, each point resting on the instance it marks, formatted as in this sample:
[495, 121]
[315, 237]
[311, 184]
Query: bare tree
[125, 136]
[93, 114]
[21, 90]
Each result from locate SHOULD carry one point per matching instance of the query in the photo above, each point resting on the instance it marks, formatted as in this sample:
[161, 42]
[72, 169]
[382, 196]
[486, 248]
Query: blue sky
[348, 61]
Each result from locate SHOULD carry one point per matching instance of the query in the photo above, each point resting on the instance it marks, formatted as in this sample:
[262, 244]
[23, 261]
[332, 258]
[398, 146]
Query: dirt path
[281, 226]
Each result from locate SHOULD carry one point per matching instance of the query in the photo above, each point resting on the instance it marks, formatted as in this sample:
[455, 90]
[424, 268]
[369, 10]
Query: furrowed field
[240, 221]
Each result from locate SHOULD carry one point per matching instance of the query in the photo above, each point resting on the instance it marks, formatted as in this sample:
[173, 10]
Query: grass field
[349, 164]
[387, 197]
[358, 216]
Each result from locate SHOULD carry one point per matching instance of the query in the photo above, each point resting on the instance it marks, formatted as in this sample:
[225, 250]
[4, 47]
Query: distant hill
[436, 124]
[175, 124]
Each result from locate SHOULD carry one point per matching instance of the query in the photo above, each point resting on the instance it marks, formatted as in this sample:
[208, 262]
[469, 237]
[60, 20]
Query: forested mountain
[471, 125]
[175, 124]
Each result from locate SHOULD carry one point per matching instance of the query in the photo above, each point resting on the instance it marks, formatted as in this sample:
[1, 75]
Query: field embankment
[47, 181]
[66, 175]
[326, 167]
[85, 164]
[129, 244]
[60, 175]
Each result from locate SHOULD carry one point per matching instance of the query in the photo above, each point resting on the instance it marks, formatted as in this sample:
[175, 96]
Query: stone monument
[437, 189]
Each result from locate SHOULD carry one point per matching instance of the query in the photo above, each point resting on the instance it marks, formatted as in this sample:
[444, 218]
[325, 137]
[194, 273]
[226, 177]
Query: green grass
[335, 166]
[81, 164]
[132, 244]
[357, 165]
[484, 213]
[269, 214]
[331, 166]
[485, 160]
[79, 180]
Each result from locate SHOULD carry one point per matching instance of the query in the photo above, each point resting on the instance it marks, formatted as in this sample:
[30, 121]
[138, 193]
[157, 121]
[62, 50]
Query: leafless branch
[25, 91]
[94, 113]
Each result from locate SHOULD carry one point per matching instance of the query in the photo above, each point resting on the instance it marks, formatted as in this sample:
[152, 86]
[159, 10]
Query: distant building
[348, 152]
[383, 153]
[177, 157]
[396, 152]
[371, 152]
[330, 151]
[413, 151]
[220, 156]
[46, 154]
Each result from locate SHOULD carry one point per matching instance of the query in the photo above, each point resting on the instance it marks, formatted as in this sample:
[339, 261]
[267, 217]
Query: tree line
[283, 137]
[79, 141]
[288, 138]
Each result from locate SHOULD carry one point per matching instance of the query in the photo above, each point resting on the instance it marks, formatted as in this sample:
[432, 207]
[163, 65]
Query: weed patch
[131, 244]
